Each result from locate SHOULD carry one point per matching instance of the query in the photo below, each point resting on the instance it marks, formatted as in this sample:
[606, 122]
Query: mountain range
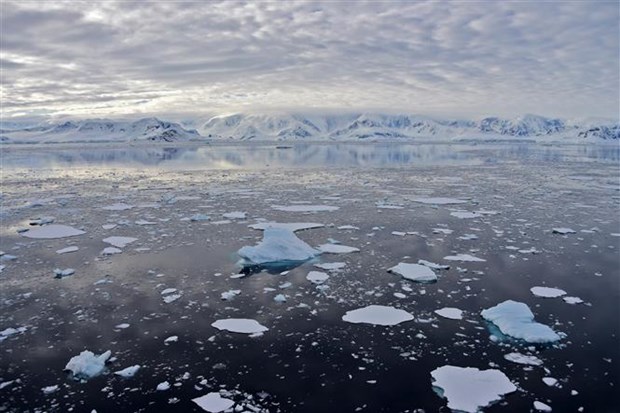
[284, 126]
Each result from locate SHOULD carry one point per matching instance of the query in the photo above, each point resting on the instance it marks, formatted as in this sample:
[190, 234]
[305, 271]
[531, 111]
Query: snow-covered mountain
[279, 126]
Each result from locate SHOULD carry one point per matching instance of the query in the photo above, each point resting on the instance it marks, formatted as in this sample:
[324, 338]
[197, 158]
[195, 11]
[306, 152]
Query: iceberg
[516, 320]
[469, 389]
[278, 245]
[377, 315]
[414, 272]
[87, 364]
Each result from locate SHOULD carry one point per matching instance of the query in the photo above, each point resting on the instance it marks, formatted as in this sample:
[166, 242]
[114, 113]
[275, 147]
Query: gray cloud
[507, 58]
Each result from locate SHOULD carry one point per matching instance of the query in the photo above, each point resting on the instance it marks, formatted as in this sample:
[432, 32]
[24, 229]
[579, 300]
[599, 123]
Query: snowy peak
[528, 125]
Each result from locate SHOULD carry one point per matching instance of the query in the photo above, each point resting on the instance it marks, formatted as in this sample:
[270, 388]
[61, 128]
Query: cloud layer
[464, 58]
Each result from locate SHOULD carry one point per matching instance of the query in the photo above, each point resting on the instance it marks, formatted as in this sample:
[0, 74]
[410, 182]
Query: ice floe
[377, 315]
[450, 312]
[523, 359]
[213, 403]
[542, 407]
[58, 273]
[414, 272]
[516, 320]
[52, 231]
[439, 201]
[433, 266]
[278, 245]
[87, 364]
[235, 215]
[468, 389]
[199, 217]
[547, 292]
[240, 325]
[305, 208]
[119, 242]
[336, 249]
[163, 386]
[563, 231]
[572, 300]
[121, 206]
[128, 371]
[291, 226]
[230, 294]
[465, 214]
[463, 258]
[50, 389]
[67, 250]
[331, 266]
[111, 251]
[317, 277]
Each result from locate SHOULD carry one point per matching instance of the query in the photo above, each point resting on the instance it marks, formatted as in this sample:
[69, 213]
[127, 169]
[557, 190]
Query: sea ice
[451, 313]
[433, 266]
[331, 266]
[111, 251]
[119, 242]
[564, 231]
[280, 298]
[469, 389]
[213, 403]
[336, 249]
[239, 325]
[547, 292]
[439, 201]
[235, 215]
[464, 258]
[377, 315]
[230, 294]
[572, 300]
[465, 214]
[163, 386]
[523, 359]
[50, 389]
[304, 208]
[515, 319]
[291, 226]
[67, 250]
[121, 206]
[199, 217]
[52, 231]
[542, 407]
[87, 364]
[317, 277]
[550, 381]
[278, 245]
[128, 372]
[58, 273]
[414, 272]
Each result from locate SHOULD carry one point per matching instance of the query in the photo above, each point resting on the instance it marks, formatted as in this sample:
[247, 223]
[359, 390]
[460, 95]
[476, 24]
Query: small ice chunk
[213, 403]
[119, 242]
[464, 258]
[50, 389]
[572, 300]
[230, 294]
[439, 201]
[414, 272]
[171, 339]
[163, 386]
[542, 407]
[469, 389]
[336, 249]
[550, 381]
[199, 217]
[58, 273]
[317, 277]
[465, 214]
[278, 245]
[515, 319]
[239, 325]
[108, 226]
[433, 266]
[547, 292]
[305, 208]
[87, 364]
[377, 315]
[348, 227]
[121, 206]
[122, 326]
[111, 251]
[128, 371]
[523, 359]
[450, 312]
[52, 231]
[331, 266]
[67, 250]
[280, 298]
[291, 226]
[168, 291]
[564, 231]
[235, 215]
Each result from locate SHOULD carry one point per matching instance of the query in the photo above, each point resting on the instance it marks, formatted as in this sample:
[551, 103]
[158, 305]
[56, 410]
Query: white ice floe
[280, 298]
[468, 389]
[464, 258]
[121, 206]
[439, 201]
[331, 266]
[465, 214]
[235, 215]
[128, 371]
[450, 312]
[336, 249]
[550, 381]
[381, 205]
[523, 359]
[87, 364]
[542, 407]
[199, 217]
[563, 231]
[7, 332]
[239, 325]
[111, 251]
[163, 386]
[547, 292]
[58, 273]
[305, 208]
[414, 272]
[348, 227]
[377, 315]
[433, 266]
[213, 403]
[572, 300]
[317, 277]
[291, 226]
[516, 320]
[122, 326]
[278, 245]
[50, 389]
[52, 231]
[119, 242]
[67, 250]
[108, 226]
[230, 294]
[171, 339]
[444, 231]
[171, 297]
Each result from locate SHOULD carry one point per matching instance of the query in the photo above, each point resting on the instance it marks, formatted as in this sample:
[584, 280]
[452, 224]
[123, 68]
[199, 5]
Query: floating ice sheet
[547, 292]
[440, 201]
[523, 359]
[317, 277]
[291, 226]
[516, 320]
[464, 258]
[213, 403]
[336, 249]
[305, 208]
[128, 372]
[52, 231]
[414, 272]
[87, 364]
[119, 242]
[450, 312]
[278, 245]
[239, 325]
[377, 315]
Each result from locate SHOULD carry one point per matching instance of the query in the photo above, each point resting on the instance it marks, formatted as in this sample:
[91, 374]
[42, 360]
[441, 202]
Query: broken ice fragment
[121, 206]
[235, 215]
[87, 364]
[199, 217]
[58, 273]
[239, 325]
[163, 386]
[464, 258]
[523, 359]
[128, 372]
[336, 249]
[304, 208]
[377, 315]
[331, 266]
[451, 313]
[433, 266]
[572, 300]
[213, 403]
[278, 245]
[547, 292]
[317, 277]
[564, 231]
[50, 389]
[52, 231]
[119, 242]
[414, 272]
[230, 294]
[468, 389]
[542, 407]
[291, 226]
[111, 251]
[67, 250]
[516, 320]
[439, 201]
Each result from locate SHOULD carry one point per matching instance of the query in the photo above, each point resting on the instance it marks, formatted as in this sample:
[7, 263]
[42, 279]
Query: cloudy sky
[460, 58]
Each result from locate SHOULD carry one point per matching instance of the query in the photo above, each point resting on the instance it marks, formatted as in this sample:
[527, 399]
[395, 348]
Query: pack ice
[52, 231]
[469, 389]
[414, 272]
[377, 315]
[516, 320]
[547, 292]
[278, 245]
[87, 364]
[213, 403]
[240, 325]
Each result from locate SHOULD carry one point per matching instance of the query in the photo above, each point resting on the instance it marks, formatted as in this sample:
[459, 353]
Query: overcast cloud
[450, 58]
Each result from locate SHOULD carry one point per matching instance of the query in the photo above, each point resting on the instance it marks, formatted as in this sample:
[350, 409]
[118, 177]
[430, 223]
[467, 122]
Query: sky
[460, 58]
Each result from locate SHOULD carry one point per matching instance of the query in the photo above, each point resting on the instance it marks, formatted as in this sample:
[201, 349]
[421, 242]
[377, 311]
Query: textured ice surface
[516, 320]
[52, 231]
[87, 364]
[278, 245]
[239, 325]
[213, 403]
[414, 272]
[468, 389]
[317, 277]
[378, 315]
[523, 359]
[547, 292]
[464, 258]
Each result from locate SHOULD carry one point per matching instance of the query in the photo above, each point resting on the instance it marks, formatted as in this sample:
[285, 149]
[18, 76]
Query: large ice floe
[414, 272]
[305, 208]
[439, 201]
[119, 242]
[377, 315]
[213, 403]
[52, 231]
[279, 245]
[547, 292]
[468, 389]
[240, 325]
[516, 320]
[336, 249]
[87, 364]
[463, 258]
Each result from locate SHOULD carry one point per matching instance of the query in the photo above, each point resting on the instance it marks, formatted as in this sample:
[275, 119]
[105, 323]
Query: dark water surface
[309, 360]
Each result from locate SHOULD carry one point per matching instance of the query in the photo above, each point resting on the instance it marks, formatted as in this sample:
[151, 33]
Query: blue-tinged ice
[279, 245]
[516, 320]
